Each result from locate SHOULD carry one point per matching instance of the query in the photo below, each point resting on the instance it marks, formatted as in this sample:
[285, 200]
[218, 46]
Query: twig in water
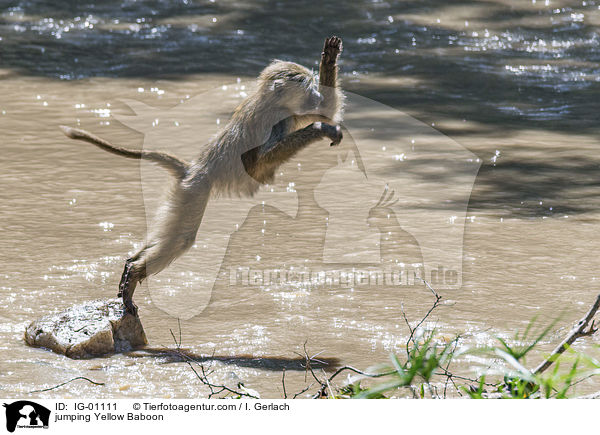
[436, 303]
[304, 390]
[283, 383]
[214, 388]
[308, 360]
[447, 373]
[406, 318]
[326, 384]
[437, 296]
[65, 383]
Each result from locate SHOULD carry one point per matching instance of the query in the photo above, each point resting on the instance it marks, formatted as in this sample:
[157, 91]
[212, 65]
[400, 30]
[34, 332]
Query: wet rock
[90, 329]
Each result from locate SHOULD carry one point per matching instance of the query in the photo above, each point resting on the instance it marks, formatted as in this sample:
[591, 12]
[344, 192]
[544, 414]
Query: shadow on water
[270, 363]
[550, 186]
[534, 188]
[504, 66]
[518, 65]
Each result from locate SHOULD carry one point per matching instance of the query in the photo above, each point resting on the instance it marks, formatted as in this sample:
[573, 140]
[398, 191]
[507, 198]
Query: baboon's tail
[176, 166]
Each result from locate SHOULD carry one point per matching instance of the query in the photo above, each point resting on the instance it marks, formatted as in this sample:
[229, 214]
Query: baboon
[288, 111]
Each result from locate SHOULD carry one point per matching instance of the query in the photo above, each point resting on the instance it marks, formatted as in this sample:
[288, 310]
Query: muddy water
[512, 86]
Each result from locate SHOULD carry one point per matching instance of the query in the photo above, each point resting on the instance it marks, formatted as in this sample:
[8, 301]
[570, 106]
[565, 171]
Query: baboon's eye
[298, 79]
[277, 84]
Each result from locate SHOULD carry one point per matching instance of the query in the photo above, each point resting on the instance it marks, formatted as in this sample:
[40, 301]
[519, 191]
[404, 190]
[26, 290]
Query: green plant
[428, 360]
[518, 382]
[425, 357]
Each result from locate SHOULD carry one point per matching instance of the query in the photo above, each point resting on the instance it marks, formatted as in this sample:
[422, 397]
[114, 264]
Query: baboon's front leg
[261, 162]
[286, 147]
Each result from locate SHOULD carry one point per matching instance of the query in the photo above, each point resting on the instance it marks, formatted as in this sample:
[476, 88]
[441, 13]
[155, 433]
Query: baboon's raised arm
[328, 84]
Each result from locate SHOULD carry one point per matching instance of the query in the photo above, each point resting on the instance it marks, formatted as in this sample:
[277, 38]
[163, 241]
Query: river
[492, 108]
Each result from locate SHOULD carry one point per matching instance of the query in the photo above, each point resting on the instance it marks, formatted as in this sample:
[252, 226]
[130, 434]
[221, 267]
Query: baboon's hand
[333, 132]
[332, 49]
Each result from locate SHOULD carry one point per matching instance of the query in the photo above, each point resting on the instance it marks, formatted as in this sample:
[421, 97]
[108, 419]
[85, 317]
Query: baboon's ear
[276, 84]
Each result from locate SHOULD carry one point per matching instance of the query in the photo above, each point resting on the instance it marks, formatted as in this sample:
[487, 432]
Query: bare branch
[595, 395]
[283, 383]
[437, 296]
[303, 390]
[325, 384]
[436, 303]
[214, 388]
[578, 331]
[65, 383]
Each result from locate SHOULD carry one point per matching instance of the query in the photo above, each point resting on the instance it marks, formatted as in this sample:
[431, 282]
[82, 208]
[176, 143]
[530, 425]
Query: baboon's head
[291, 86]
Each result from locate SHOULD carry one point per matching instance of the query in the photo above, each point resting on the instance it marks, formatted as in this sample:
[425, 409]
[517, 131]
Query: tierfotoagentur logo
[354, 277]
[26, 414]
[367, 212]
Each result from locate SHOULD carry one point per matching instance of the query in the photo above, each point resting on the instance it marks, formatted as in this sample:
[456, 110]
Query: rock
[90, 329]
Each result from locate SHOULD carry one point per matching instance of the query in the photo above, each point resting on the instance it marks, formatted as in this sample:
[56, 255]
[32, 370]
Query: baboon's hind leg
[132, 274]
[124, 276]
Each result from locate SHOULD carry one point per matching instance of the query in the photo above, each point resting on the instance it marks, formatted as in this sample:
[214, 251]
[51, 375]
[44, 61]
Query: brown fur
[287, 112]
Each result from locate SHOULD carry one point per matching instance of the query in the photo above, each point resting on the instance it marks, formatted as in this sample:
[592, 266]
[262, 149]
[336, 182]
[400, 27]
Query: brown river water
[481, 116]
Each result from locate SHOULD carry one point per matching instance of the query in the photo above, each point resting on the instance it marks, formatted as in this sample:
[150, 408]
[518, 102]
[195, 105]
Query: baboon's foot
[332, 49]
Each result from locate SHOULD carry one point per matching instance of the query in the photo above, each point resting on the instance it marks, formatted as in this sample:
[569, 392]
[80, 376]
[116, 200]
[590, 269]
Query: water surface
[515, 83]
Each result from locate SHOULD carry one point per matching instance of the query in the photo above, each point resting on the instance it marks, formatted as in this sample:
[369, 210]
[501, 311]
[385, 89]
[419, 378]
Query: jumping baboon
[287, 112]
